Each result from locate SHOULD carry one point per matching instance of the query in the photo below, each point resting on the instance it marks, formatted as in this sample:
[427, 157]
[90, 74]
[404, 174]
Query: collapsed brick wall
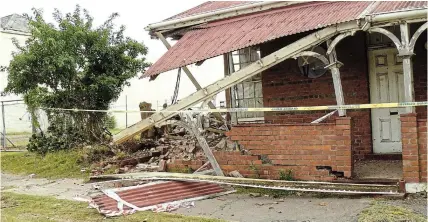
[283, 85]
[414, 144]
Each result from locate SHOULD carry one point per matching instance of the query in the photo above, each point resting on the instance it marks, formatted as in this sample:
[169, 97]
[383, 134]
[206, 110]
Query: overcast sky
[135, 15]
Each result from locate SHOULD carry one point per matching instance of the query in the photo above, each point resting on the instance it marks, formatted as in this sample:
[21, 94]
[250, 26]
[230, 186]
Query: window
[249, 93]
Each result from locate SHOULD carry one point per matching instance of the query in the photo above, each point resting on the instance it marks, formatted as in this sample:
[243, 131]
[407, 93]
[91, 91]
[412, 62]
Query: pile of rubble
[164, 144]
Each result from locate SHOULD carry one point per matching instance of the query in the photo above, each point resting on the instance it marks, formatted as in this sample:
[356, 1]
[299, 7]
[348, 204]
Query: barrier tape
[262, 109]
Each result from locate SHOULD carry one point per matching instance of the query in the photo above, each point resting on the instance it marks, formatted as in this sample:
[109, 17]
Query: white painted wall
[16, 115]
[161, 89]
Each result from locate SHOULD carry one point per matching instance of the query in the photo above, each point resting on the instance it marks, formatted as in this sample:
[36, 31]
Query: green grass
[61, 164]
[378, 212]
[18, 133]
[19, 207]
[261, 191]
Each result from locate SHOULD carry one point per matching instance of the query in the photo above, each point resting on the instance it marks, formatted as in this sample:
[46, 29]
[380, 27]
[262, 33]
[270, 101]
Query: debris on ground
[235, 173]
[155, 148]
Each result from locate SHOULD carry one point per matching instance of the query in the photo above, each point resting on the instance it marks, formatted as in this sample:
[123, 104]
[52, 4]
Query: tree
[74, 65]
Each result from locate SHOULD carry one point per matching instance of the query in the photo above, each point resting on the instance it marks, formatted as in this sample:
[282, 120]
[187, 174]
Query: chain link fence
[16, 124]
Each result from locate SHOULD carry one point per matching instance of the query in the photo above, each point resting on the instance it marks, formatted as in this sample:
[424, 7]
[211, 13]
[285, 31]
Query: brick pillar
[409, 139]
[344, 151]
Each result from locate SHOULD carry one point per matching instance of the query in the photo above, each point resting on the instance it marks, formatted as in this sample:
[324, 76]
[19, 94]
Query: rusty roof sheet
[157, 193]
[209, 7]
[217, 38]
[392, 6]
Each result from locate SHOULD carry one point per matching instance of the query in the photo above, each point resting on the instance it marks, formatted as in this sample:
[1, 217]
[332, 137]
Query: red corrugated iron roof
[390, 6]
[208, 7]
[220, 37]
[155, 194]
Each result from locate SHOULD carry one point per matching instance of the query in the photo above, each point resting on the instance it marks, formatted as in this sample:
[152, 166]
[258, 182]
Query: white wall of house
[162, 88]
[17, 118]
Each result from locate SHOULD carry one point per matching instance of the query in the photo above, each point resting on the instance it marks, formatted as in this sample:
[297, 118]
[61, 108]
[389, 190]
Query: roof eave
[408, 14]
[216, 15]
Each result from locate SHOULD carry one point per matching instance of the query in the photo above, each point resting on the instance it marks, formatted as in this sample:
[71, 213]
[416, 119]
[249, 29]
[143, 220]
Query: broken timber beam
[336, 79]
[238, 76]
[190, 76]
[193, 129]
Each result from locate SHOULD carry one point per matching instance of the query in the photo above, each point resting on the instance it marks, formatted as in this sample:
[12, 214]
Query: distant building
[12, 27]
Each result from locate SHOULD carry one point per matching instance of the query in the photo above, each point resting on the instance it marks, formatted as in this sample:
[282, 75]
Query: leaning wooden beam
[189, 75]
[238, 76]
[322, 118]
[335, 73]
[193, 129]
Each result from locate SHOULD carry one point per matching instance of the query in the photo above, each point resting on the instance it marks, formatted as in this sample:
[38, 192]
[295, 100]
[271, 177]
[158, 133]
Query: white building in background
[16, 116]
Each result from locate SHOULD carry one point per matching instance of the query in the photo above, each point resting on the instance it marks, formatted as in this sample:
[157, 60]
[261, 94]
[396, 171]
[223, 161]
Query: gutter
[397, 16]
[218, 14]
[13, 32]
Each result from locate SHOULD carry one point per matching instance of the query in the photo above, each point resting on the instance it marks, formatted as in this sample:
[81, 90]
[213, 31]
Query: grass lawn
[61, 164]
[19, 207]
[379, 212]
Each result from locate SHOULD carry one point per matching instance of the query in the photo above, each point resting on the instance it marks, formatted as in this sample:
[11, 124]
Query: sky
[135, 15]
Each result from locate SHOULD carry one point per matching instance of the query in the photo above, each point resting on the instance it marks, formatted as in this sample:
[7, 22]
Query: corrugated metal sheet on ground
[157, 194]
[390, 6]
[209, 7]
[219, 37]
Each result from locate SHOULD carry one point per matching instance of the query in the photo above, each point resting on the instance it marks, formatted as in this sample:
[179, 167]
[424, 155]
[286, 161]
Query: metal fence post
[4, 125]
[126, 113]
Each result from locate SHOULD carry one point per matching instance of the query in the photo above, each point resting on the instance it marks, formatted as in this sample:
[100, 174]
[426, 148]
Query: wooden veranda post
[406, 54]
[335, 73]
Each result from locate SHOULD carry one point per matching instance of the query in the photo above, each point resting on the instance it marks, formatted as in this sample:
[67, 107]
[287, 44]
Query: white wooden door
[386, 85]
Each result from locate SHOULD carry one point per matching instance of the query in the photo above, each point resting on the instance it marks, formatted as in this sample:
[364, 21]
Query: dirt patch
[61, 188]
[379, 169]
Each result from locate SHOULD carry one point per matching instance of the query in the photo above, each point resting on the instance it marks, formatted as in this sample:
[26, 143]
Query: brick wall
[300, 147]
[414, 140]
[283, 85]
[422, 143]
[311, 151]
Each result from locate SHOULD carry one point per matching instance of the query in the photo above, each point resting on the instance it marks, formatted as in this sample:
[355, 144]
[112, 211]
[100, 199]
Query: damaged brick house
[300, 54]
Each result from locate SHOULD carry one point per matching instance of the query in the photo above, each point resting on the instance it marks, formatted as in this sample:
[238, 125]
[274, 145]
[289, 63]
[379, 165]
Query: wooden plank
[322, 118]
[253, 69]
[194, 129]
[312, 186]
